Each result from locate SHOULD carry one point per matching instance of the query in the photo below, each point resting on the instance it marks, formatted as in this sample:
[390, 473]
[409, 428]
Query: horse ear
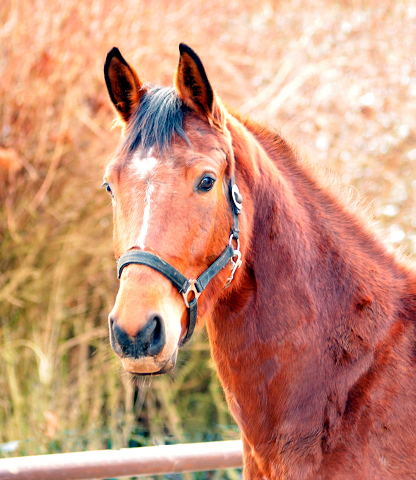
[123, 84]
[192, 83]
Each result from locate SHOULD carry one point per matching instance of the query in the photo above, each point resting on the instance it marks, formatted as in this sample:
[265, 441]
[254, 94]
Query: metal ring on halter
[190, 289]
[230, 242]
[235, 263]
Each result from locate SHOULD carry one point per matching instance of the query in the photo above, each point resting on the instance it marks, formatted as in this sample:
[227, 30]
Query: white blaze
[144, 166]
[146, 216]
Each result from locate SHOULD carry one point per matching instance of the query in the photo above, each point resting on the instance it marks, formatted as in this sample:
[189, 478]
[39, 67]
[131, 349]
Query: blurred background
[336, 78]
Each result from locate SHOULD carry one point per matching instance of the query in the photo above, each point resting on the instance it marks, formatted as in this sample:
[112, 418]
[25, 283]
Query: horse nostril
[111, 321]
[157, 335]
[116, 336]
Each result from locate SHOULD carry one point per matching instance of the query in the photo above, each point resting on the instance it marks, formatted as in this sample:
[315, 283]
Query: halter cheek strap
[196, 287]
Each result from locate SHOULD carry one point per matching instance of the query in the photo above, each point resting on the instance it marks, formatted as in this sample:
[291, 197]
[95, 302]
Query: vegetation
[337, 77]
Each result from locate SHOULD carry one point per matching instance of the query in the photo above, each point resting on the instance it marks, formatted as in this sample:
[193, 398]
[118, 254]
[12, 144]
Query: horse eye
[206, 183]
[108, 188]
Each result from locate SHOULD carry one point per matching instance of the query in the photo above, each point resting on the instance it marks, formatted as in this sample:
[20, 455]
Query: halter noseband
[197, 286]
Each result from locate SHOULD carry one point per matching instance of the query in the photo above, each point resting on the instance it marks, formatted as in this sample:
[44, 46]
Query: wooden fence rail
[193, 457]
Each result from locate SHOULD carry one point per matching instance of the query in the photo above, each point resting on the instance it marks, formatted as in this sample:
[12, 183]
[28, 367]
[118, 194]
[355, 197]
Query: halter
[195, 287]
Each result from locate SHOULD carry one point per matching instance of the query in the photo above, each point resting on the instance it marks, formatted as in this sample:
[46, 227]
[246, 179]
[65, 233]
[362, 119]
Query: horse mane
[345, 197]
[156, 120]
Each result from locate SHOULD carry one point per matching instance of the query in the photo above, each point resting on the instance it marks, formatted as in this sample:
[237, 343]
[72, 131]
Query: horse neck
[316, 291]
[303, 243]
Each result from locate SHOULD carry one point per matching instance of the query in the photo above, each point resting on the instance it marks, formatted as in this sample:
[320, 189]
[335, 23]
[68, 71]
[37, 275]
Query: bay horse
[310, 317]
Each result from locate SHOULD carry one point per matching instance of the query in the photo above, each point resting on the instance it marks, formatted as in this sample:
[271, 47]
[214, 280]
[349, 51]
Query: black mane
[157, 119]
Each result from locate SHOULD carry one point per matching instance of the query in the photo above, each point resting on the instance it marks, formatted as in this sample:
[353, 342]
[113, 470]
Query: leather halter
[185, 286]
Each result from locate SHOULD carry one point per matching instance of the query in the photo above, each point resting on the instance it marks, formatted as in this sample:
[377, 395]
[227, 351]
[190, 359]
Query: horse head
[175, 205]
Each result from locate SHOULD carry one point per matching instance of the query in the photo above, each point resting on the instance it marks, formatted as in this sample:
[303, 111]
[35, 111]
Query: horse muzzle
[142, 354]
[145, 325]
[147, 342]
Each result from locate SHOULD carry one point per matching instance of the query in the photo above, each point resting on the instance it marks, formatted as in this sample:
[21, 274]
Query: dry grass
[336, 77]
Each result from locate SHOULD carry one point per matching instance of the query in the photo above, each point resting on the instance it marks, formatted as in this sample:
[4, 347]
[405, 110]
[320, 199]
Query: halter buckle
[237, 198]
[191, 288]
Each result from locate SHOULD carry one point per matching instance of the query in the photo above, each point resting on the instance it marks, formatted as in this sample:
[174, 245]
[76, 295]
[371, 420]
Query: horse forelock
[157, 119]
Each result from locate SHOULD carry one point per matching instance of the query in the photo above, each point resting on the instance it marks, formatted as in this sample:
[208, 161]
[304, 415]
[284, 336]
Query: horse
[310, 316]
